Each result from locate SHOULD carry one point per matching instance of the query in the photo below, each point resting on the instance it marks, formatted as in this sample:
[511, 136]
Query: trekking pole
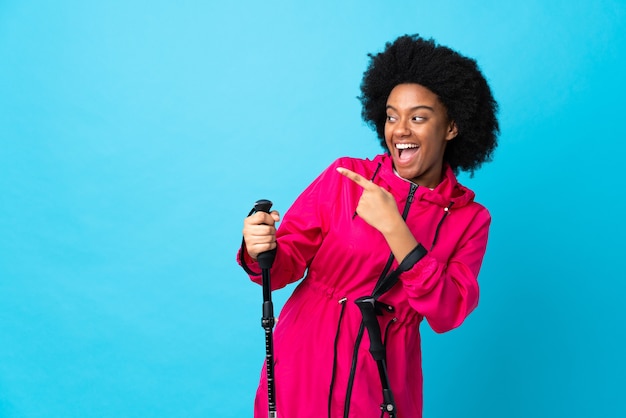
[265, 260]
[370, 308]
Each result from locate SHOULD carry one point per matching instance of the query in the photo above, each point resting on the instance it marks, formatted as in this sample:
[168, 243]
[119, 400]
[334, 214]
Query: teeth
[405, 146]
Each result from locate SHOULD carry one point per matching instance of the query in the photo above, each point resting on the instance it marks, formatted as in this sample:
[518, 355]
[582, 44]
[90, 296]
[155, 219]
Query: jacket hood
[448, 192]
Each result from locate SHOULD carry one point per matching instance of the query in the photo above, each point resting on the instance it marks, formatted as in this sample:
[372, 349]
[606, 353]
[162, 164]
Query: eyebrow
[413, 108]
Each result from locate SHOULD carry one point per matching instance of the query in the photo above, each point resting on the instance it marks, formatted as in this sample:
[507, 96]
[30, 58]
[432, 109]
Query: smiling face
[417, 130]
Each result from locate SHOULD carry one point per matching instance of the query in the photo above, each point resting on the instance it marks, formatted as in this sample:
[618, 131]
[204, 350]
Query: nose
[401, 127]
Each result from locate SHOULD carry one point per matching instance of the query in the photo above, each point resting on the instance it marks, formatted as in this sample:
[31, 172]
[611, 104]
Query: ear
[453, 131]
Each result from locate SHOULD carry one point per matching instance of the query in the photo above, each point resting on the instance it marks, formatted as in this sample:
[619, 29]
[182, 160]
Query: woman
[435, 115]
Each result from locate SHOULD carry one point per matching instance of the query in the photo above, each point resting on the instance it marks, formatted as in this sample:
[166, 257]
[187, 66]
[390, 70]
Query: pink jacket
[343, 258]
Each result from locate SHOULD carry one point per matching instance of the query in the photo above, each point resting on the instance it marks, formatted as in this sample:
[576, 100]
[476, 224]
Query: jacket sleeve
[300, 232]
[445, 293]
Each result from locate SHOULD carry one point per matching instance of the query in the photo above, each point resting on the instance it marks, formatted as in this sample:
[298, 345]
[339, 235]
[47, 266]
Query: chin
[407, 174]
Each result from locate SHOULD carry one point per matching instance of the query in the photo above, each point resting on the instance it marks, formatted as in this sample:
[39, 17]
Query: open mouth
[406, 151]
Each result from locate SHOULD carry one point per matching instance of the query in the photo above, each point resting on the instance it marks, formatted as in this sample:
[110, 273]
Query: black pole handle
[265, 259]
[370, 309]
[263, 205]
[367, 305]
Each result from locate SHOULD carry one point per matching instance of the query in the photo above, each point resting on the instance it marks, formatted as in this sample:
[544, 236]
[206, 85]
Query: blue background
[136, 135]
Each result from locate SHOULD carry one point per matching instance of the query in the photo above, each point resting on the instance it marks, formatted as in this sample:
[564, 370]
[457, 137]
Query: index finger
[355, 177]
[262, 218]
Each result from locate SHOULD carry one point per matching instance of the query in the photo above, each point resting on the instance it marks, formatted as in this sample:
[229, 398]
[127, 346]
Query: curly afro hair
[455, 79]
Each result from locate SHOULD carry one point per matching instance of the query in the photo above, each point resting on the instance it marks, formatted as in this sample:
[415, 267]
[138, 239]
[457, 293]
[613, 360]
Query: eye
[418, 118]
[391, 118]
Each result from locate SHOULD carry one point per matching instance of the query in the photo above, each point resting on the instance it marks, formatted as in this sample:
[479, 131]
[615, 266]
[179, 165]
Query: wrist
[394, 226]
[400, 239]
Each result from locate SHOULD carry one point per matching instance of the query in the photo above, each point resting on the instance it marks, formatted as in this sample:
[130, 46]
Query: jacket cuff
[246, 262]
